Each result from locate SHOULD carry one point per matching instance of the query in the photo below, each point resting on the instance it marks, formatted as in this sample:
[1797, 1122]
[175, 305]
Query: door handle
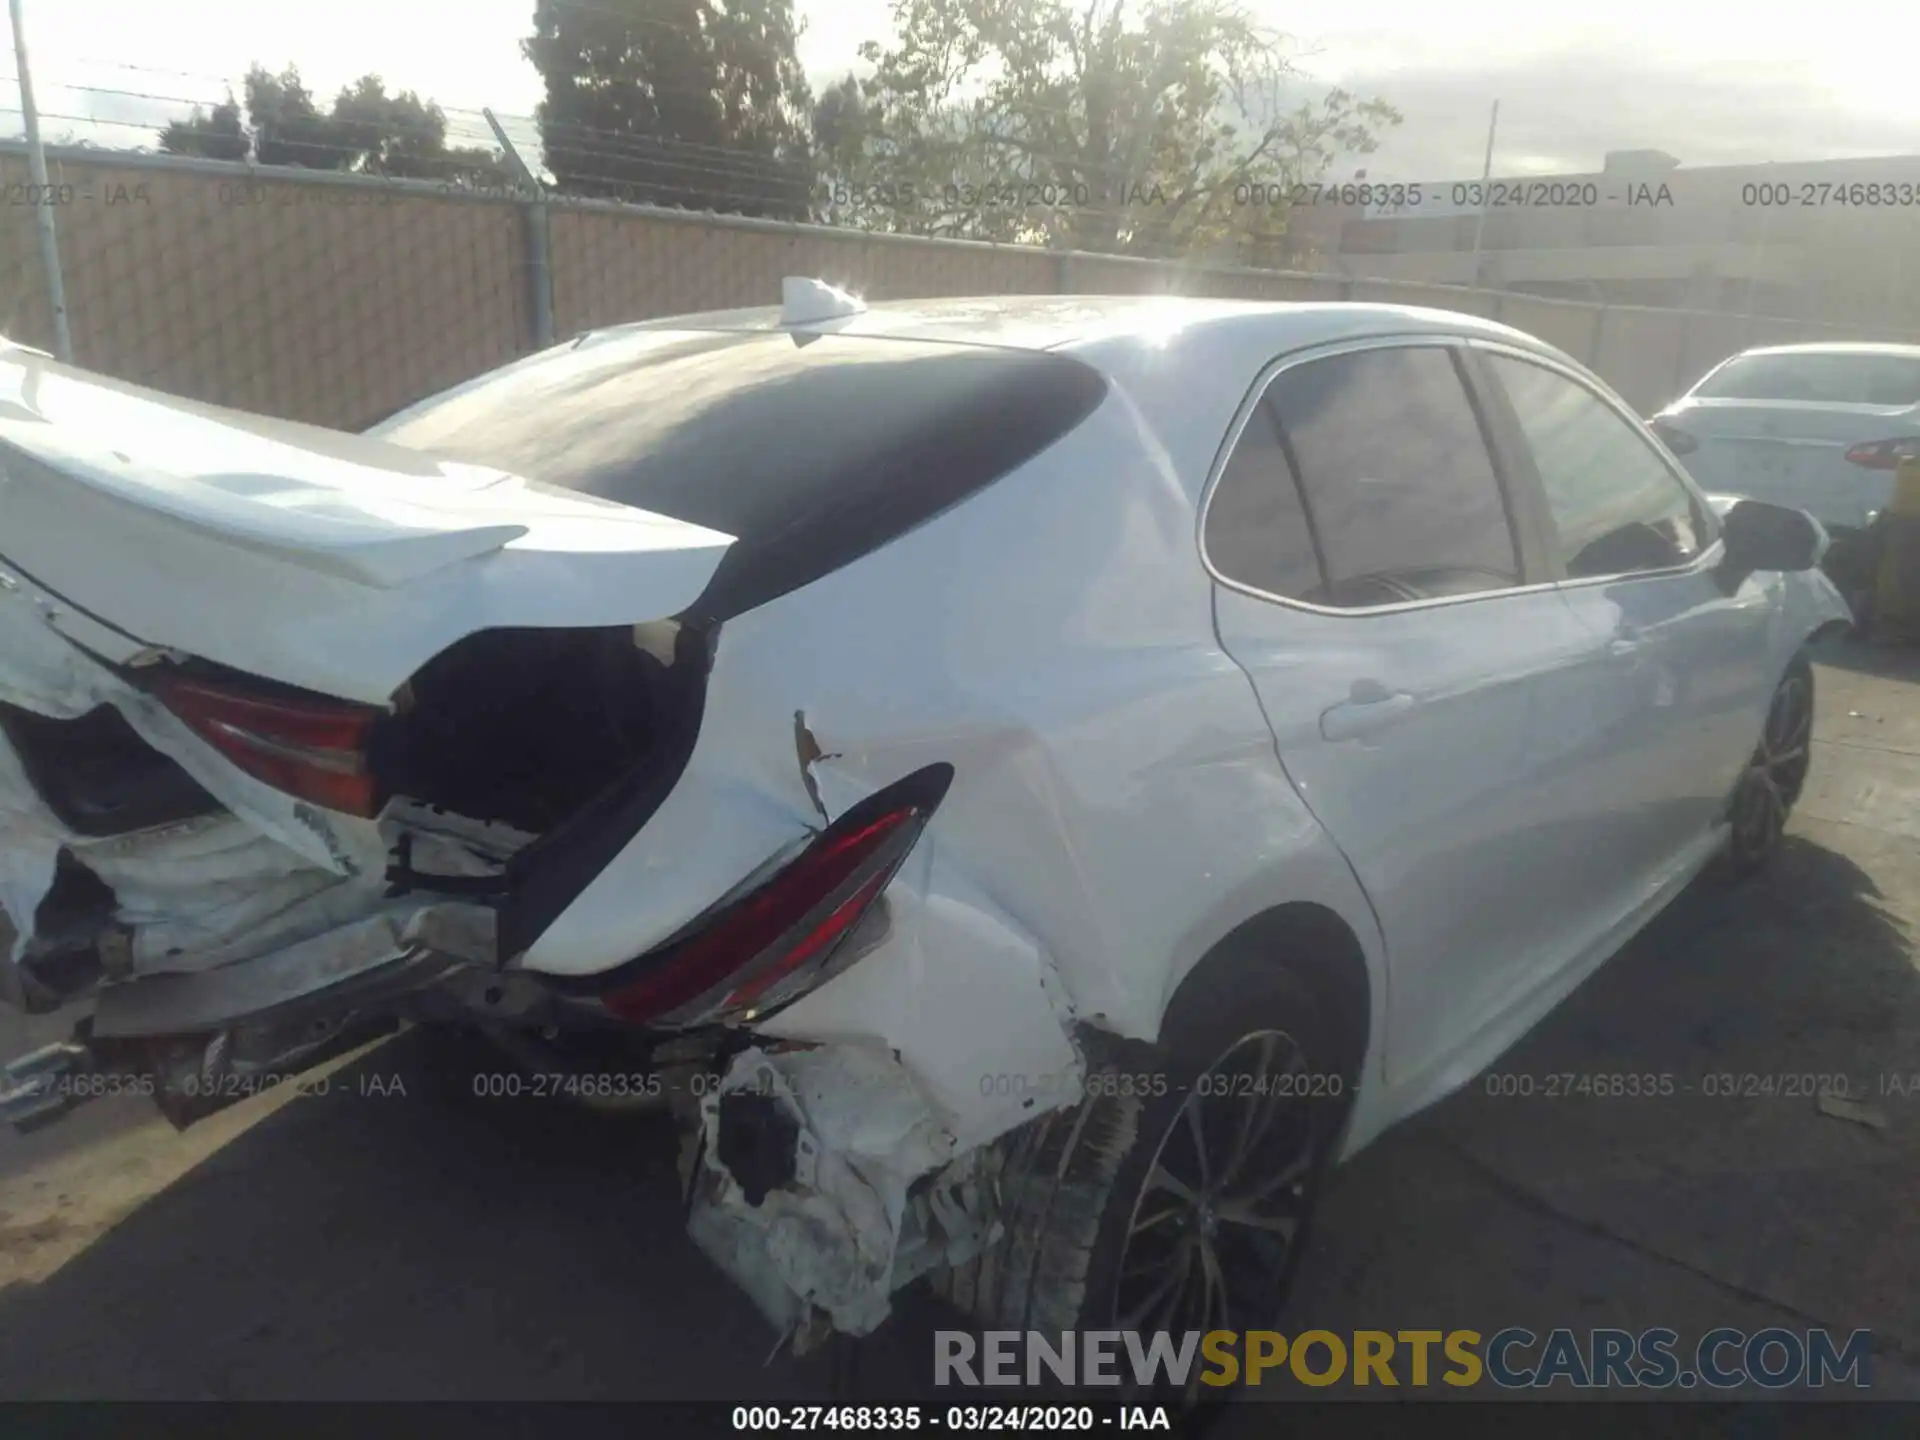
[1365, 714]
[1625, 644]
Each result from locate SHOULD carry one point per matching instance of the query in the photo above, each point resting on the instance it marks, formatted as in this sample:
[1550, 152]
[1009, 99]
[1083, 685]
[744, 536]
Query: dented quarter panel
[963, 994]
[1117, 805]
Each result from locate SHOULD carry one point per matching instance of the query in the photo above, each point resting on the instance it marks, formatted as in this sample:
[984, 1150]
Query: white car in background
[1033, 781]
[1792, 424]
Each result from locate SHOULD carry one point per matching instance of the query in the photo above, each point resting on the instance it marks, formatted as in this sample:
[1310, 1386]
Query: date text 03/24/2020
[963, 1419]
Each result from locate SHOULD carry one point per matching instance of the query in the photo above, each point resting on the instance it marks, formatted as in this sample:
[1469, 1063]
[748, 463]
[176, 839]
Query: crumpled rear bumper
[806, 1189]
[853, 1147]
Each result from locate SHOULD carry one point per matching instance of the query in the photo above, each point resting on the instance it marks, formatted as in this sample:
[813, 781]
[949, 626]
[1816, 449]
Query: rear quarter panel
[1118, 807]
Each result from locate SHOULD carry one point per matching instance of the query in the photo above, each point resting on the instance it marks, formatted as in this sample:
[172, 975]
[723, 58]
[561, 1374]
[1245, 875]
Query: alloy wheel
[1214, 1227]
[1778, 769]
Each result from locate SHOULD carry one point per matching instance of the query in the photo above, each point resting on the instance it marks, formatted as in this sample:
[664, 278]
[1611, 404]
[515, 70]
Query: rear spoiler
[390, 552]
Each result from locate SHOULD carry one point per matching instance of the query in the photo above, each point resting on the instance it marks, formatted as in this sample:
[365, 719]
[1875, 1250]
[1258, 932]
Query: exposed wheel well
[1316, 945]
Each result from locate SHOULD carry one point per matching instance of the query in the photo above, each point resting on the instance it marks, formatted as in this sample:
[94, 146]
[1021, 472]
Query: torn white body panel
[828, 1237]
[192, 891]
[334, 562]
[263, 873]
[1000, 1050]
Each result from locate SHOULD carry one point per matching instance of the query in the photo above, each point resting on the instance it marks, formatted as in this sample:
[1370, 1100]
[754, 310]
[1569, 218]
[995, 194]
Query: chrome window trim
[1711, 553]
[1257, 393]
[1786, 440]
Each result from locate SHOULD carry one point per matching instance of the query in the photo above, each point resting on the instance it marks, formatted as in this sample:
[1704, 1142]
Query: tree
[695, 103]
[388, 134]
[366, 131]
[841, 124]
[288, 128]
[1156, 128]
[216, 134]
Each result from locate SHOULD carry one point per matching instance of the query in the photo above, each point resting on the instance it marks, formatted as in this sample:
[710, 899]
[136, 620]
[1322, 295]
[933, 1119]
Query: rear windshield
[1838, 379]
[811, 449]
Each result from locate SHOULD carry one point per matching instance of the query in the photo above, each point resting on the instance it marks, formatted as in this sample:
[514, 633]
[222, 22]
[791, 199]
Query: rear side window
[1816, 378]
[1396, 476]
[1257, 531]
[811, 449]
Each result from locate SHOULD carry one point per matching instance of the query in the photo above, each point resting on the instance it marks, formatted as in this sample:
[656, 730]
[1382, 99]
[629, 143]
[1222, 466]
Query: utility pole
[37, 175]
[538, 237]
[1486, 185]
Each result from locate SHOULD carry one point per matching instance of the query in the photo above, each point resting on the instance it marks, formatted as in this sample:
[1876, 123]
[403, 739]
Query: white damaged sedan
[1031, 781]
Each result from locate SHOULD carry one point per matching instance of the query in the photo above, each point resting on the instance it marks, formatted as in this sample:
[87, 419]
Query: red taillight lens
[780, 940]
[1676, 440]
[1885, 454]
[314, 749]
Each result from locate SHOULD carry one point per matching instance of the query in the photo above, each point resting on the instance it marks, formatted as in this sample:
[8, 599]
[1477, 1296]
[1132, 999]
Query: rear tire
[1179, 1194]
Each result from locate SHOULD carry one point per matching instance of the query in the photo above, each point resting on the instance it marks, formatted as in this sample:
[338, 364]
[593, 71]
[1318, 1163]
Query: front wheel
[1775, 775]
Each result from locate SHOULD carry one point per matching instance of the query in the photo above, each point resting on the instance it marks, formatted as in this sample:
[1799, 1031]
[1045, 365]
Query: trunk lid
[1791, 452]
[332, 562]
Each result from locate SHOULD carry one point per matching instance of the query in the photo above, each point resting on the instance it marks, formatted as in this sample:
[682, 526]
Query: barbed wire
[706, 177]
[576, 139]
[651, 167]
[600, 159]
[1031, 227]
[581, 142]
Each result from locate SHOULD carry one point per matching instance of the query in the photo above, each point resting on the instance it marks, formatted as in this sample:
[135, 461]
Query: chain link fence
[336, 298]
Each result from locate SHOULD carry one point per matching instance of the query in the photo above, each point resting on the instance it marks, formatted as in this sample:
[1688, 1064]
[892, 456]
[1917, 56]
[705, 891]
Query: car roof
[1106, 328]
[1184, 363]
[1836, 347]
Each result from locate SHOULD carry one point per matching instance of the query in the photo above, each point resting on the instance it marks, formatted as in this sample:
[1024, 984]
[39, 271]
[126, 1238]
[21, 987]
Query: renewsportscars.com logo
[1511, 1359]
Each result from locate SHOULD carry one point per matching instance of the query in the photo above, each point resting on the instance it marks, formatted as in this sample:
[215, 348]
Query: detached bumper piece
[40, 1088]
[188, 1078]
[197, 1043]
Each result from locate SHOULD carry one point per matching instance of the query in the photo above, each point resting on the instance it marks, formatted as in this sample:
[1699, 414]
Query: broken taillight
[777, 942]
[312, 748]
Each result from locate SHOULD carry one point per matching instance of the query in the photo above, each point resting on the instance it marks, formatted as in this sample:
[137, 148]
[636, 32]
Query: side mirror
[1760, 536]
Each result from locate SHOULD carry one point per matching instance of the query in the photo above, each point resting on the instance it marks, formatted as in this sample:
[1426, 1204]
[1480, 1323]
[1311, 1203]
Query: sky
[1709, 83]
